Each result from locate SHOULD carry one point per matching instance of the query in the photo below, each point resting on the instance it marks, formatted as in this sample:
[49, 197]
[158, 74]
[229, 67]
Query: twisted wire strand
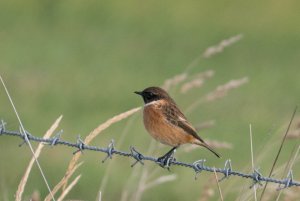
[197, 166]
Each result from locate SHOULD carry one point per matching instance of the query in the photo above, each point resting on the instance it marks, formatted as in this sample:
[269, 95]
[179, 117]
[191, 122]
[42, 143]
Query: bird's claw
[166, 160]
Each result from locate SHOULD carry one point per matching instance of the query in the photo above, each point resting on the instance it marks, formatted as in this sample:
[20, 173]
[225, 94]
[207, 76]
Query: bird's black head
[153, 94]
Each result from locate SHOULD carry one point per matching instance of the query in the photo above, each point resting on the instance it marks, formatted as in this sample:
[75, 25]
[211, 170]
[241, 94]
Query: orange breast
[161, 130]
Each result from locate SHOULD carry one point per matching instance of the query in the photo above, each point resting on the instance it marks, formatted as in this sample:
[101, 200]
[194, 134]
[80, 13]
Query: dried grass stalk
[125, 195]
[160, 180]
[100, 196]
[35, 196]
[211, 51]
[219, 188]
[62, 182]
[174, 81]
[208, 191]
[197, 82]
[279, 151]
[205, 125]
[289, 167]
[108, 123]
[24, 179]
[109, 169]
[222, 90]
[292, 194]
[68, 189]
[88, 139]
[138, 172]
[143, 186]
[252, 160]
[219, 144]
[295, 133]
[219, 92]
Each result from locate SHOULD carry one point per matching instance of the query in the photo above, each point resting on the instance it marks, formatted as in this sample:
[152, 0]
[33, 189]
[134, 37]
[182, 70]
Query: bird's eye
[153, 95]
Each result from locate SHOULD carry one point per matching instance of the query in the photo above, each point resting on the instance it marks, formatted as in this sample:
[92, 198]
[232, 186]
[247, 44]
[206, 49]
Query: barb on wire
[137, 156]
[197, 166]
[227, 168]
[80, 145]
[110, 150]
[256, 178]
[55, 138]
[288, 180]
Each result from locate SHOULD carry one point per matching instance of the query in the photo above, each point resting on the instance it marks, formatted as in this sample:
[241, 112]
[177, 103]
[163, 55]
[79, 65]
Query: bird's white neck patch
[152, 103]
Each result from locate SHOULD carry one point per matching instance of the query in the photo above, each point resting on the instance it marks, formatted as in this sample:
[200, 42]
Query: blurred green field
[84, 60]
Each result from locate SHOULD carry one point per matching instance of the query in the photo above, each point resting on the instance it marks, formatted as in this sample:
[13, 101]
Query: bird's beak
[139, 93]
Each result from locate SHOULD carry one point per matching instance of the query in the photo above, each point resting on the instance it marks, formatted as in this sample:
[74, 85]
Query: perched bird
[166, 123]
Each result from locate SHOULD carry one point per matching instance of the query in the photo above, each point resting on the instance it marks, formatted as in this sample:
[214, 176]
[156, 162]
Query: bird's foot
[166, 160]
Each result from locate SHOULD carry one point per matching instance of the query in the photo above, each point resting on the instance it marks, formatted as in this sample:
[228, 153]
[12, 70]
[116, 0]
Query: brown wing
[177, 118]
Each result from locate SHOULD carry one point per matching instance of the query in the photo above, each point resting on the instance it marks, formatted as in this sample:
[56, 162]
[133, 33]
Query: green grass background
[84, 59]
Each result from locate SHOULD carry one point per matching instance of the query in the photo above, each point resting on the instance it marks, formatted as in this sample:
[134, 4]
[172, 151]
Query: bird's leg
[165, 160]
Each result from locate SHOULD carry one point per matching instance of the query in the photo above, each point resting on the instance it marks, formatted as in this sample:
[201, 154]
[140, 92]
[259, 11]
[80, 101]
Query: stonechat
[166, 123]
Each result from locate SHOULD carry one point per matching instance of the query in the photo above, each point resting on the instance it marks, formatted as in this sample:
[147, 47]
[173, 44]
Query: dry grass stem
[289, 166]
[96, 132]
[135, 174]
[282, 169]
[160, 180]
[108, 123]
[279, 151]
[100, 196]
[292, 194]
[241, 193]
[22, 130]
[245, 193]
[35, 196]
[208, 191]
[196, 82]
[205, 75]
[294, 134]
[222, 90]
[24, 179]
[124, 195]
[295, 158]
[252, 160]
[141, 186]
[219, 188]
[144, 175]
[68, 189]
[211, 51]
[174, 81]
[108, 169]
[219, 144]
[219, 92]
[63, 181]
[205, 125]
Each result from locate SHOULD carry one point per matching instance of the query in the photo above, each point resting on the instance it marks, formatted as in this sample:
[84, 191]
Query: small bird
[166, 123]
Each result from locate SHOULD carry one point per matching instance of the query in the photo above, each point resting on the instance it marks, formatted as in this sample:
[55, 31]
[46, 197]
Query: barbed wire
[198, 166]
